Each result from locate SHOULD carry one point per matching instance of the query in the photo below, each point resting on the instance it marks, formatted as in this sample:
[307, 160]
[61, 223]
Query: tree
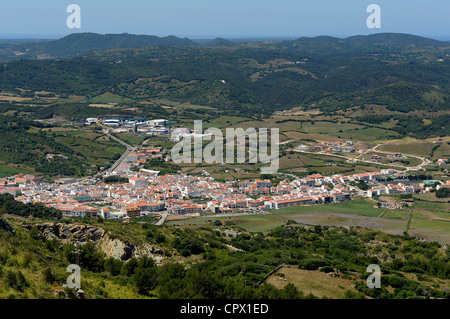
[145, 280]
[443, 192]
[113, 266]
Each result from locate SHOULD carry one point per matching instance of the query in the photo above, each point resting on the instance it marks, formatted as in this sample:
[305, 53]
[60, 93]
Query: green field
[91, 145]
[107, 98]
[131, 139]
[358, 212]
[13, 169]
[420, 149]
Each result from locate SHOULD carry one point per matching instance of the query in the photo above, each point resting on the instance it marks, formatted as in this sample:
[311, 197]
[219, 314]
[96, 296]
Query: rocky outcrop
[5, 226]
[116, 248]
[69, 233]
[79, 233]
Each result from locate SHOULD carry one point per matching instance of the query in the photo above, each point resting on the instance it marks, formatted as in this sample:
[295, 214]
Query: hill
[79, 43]
[399, 72]
[219, 42]
[187, 263]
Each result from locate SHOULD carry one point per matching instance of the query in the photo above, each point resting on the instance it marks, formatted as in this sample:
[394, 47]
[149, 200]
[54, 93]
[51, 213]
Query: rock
[70, 233]
[116, 248]
[5, 226]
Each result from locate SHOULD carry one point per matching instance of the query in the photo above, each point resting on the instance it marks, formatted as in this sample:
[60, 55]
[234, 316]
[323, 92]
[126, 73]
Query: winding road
[374, 149]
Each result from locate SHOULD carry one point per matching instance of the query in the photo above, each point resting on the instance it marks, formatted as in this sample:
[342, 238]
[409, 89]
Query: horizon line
[207, 37]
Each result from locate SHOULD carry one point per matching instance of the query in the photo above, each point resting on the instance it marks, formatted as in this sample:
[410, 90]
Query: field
[131, 138]
[316, 282]
[106, 98]
[414, 148]
[358, 212]
[13, 169]
[91, 145]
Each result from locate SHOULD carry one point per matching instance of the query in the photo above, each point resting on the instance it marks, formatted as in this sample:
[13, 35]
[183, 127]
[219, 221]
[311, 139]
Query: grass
[366, 134]
[107, 98]
[263, 223]
[131, 139]
[358, 212]
[363, 207]
[316, 282]
[90, 145]
[415, 148]
[13, 169]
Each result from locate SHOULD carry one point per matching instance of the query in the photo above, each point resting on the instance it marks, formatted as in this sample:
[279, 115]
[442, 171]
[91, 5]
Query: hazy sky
[226, 18]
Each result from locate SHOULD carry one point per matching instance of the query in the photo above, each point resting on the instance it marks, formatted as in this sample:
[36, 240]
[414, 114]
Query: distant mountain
[219, 42]
[79, 43]
[399, 39]
[374, 42]
[402, 72]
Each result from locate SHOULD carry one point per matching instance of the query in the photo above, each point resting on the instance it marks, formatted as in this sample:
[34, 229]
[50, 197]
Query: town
[145, 193]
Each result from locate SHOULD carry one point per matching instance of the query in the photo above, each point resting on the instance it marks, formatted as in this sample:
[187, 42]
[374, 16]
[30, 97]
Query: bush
[16, 280]
[49, 276]
[113, 266]
[443, 193]
[160, 238]
[314, 263]
[327, 269]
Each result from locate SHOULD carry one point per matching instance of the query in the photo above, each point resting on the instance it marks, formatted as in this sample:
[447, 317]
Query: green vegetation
[259, 78]
[443, 193]
[162, 166]
[200, 264]
[8, 205]
[114, 179]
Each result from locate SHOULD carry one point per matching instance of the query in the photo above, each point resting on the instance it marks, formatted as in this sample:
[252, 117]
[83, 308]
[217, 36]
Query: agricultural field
[91, 145]
[13, 169]
[316, 282]
[413, 148]
[131, 138]
[358, 212]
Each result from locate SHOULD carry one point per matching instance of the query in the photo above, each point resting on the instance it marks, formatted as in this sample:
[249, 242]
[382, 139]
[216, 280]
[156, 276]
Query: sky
[224, 18]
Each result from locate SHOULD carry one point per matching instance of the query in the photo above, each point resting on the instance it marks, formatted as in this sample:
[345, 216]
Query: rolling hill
[400, 71]
[79, 43]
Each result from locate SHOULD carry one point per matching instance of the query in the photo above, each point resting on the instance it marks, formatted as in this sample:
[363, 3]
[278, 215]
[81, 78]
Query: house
[375, 157]
[151, 207]
[91, 212]
[133, 157]
[105, 213]
[442, 161]
[263, 183]
[137, 182]
[133, 211]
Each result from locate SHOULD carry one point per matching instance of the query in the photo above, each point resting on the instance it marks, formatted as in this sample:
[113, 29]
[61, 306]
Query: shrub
[314, 263]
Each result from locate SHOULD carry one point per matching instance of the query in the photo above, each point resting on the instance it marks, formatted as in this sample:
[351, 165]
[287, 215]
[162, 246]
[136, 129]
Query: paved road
[129, 149]
[162, 219]
[418, 167]
[374, 149]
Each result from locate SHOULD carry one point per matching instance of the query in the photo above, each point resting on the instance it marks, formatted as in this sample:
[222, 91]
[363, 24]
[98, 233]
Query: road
[129, 149]
[424, 160]
[162, 219]
[374, 149]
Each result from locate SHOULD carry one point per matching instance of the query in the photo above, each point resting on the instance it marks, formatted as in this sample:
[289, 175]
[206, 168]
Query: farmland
[359, 212]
